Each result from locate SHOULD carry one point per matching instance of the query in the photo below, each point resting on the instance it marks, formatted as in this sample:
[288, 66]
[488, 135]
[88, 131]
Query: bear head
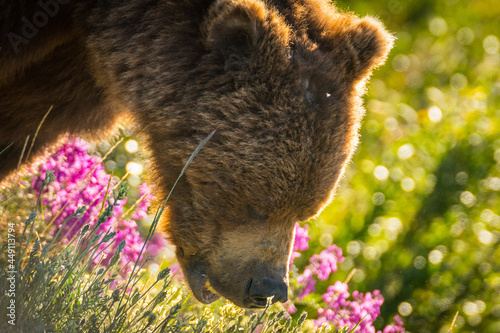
[281, 85]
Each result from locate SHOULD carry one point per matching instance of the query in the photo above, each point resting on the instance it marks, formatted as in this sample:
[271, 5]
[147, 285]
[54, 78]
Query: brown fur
[280, 81]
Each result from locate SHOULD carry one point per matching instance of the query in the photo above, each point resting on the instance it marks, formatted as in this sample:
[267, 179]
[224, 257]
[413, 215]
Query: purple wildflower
[336, 295]
[308, 281]
[302, 238]
[290, 307]
[320, 267]
[144, 201]
[338, 310]
[301, 241]
[325, 263]
[82, 181]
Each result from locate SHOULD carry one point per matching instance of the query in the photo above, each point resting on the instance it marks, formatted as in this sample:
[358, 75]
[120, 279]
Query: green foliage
[418, 212]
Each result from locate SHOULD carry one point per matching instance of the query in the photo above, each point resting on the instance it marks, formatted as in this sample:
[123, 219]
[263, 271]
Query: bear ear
[231, 27]
[358, 44]
[369, 44]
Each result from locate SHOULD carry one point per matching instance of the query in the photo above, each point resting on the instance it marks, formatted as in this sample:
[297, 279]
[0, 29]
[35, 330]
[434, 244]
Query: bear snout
[260, 290]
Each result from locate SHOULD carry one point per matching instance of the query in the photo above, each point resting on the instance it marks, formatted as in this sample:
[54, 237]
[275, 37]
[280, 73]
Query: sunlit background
[418, 211]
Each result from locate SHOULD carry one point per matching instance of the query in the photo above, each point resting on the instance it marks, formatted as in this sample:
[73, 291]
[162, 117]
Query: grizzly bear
[279, 80]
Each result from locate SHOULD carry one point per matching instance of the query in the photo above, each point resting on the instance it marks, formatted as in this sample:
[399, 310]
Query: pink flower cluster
[338, 310]
[143, 203]
[320, 267]
[80, 180]
[301, 242]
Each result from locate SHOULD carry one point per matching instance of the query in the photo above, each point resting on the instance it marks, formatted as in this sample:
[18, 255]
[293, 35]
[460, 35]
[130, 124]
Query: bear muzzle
[261, 290]
[247, 289]
[195, 272]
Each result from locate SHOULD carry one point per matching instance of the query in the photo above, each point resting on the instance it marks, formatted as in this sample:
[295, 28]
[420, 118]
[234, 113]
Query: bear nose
[261, 289]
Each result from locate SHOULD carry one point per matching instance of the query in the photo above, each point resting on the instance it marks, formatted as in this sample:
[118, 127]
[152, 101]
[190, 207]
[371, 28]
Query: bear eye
[254, 214]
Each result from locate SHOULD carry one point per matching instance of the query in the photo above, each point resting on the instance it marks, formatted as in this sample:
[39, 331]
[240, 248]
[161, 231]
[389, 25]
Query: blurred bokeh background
[418, 213]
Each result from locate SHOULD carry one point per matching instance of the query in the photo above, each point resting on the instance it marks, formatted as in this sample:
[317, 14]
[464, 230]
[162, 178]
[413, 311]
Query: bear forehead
[273, 179]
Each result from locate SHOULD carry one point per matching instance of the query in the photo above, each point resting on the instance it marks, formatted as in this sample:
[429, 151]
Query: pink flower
[144, 201]
[340, 308]
[290, 307]
[302, 238]
[360, 312]
[308, 281]
[301, 241]
[80, 180]
[320, 267]
[326, 262]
